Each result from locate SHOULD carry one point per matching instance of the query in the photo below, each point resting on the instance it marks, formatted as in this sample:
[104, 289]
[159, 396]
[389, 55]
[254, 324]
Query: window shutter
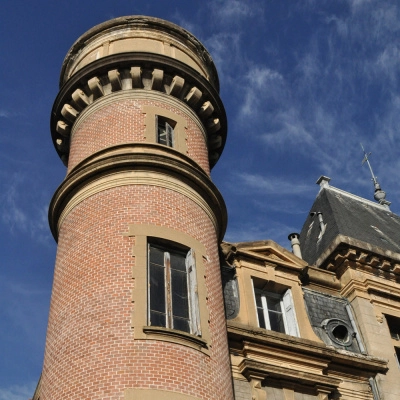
[195, 326]
[291, 321]
[170, 134]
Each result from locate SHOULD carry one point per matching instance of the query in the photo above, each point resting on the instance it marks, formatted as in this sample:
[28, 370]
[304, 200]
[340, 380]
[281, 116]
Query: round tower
[136, 309]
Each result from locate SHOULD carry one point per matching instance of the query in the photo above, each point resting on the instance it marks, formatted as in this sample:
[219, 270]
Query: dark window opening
[341, 334]
[397, 355]
[394, 326]
[165, 131]
[173, 299]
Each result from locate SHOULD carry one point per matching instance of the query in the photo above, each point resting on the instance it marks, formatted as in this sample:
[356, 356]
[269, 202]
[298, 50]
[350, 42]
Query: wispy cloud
[232, 11]
[269, 185]
[22, 210]
[263, 88]
[225, 50]
[260, 229]
[15, 392]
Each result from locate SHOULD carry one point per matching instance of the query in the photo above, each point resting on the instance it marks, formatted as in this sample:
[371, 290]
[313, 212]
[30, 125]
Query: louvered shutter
[195, 326]
[290, 315]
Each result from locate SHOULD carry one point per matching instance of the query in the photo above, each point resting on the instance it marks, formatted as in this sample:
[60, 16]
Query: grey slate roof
[231, 292]
[323, 307]
[350, 216]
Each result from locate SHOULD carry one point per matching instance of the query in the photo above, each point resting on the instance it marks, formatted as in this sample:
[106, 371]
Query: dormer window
[275, 311]
[165, 131]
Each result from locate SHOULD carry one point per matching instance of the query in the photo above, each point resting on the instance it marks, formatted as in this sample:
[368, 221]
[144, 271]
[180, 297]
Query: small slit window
[165, 131]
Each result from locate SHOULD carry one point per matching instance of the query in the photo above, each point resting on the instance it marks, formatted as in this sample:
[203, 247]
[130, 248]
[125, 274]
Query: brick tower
[136, 309]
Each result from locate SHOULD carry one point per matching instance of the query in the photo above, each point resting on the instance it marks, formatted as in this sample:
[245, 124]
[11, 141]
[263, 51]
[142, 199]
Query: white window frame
[287, 309]
[192, 288]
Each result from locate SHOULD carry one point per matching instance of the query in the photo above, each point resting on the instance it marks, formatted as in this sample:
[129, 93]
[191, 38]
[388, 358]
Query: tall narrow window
[276, 312]
[173, 298]
[165, 131]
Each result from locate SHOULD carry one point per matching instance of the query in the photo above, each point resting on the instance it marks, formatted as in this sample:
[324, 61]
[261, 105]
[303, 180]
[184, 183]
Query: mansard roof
[348, 219]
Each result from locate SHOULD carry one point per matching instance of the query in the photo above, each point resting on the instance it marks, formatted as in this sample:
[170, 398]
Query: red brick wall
[123, 121]
[90, 350]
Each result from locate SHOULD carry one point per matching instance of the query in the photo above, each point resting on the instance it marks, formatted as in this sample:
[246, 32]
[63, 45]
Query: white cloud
[388, 63]
[290, 130]
[262, 86]
[232, 11]
[4, 114]
[11, 213]
[21, 209]
[270, 186]
[260, 229]
[224, 48]
[15, 392]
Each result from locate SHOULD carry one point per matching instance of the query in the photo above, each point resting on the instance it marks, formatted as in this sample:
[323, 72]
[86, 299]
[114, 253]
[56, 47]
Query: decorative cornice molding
[135, 72]
[276, 340]
[106, 169]
[346, 248]
[140, 25]
[249, 368]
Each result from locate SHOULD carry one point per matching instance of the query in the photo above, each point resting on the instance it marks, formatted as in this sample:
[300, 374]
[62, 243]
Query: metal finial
[379, 194]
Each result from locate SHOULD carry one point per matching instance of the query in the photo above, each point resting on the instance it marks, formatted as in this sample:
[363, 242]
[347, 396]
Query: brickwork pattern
[123, 121]
[90, 350]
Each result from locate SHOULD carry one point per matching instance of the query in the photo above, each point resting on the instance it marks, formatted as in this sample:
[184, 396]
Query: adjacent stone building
[148, 302]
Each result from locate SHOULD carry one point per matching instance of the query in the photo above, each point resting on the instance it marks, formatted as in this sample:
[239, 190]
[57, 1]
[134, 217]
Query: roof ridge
[355, 197]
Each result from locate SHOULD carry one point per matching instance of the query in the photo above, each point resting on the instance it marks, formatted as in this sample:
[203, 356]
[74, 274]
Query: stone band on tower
[136, 309]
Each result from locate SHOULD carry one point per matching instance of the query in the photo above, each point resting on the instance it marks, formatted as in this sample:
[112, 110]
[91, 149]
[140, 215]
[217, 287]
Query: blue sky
[303, 83]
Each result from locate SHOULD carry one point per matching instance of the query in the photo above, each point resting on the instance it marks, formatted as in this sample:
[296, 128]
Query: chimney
[295, 242]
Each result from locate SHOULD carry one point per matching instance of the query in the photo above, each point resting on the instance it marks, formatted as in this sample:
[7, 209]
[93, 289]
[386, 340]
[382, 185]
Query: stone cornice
[335, 254]
[140, 23]
[249, 368]
[366, 364]
[138, 157]
[133, 71]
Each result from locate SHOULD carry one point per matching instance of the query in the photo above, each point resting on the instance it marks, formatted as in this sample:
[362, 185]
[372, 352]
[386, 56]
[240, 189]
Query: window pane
[261, 320]
[274, 304]
[182, 324]
[276, 321]
[180, 306]
[178, 261]
[157, 319]
[260, 312]
[258, 300]
[156, 256]
[157, 288]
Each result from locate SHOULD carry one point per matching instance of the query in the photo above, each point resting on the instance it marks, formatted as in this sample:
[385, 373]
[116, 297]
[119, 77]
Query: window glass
[276, 312]
[165, 131]
[169, 294]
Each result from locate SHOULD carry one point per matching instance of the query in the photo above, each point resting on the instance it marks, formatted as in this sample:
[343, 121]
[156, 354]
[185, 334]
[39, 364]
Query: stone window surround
[285, 302]
[140, 327]
[151, 113]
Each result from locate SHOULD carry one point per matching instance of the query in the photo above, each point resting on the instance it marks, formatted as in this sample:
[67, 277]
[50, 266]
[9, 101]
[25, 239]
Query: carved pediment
[270, 252]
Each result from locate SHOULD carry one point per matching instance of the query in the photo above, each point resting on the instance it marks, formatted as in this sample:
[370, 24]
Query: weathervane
[379, 195]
